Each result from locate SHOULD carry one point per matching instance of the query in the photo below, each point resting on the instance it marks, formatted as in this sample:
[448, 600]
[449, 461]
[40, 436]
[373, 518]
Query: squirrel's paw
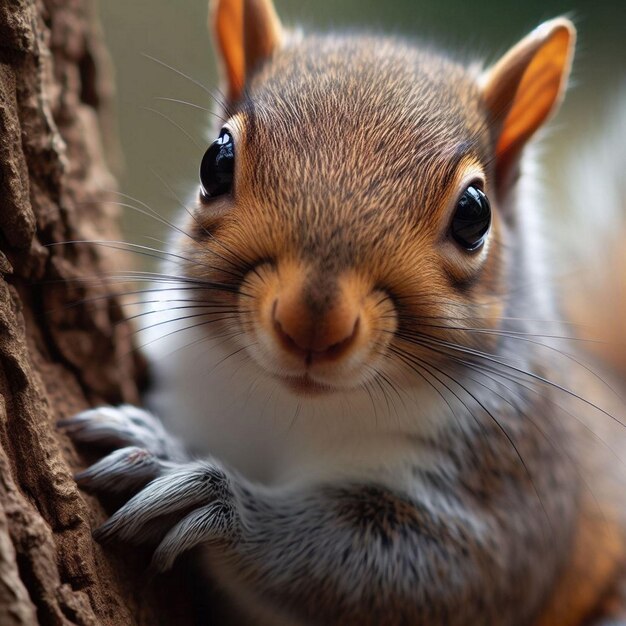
[123, 426]
[124, 470]
[187, 506]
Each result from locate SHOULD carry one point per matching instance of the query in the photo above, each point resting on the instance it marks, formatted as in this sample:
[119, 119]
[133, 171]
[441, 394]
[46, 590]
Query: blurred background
[159, 154]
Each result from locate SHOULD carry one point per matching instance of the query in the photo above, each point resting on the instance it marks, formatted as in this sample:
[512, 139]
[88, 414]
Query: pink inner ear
[528, 83]
[227, 26]
[538, 95]
[247, 32]
[263, 32]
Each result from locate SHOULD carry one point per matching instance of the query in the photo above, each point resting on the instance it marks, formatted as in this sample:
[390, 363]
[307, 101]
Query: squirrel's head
[356, 207]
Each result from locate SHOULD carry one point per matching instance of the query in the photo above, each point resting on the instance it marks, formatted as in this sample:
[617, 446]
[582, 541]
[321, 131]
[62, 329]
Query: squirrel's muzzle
[313, 330]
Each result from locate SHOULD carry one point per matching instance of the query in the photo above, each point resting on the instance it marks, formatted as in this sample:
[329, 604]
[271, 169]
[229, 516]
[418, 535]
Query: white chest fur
[220, 402]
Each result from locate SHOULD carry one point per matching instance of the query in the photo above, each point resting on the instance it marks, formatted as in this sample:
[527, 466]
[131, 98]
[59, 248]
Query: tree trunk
[62, 347]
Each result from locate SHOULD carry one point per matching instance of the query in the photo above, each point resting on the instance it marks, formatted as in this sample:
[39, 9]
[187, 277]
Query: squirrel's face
[354, 205]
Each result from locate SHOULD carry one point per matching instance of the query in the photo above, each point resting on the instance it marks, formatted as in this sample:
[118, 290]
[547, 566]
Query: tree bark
[62, 346]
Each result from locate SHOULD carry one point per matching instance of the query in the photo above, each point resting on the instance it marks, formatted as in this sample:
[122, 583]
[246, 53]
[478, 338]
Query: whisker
[419, 369]
[550, 440]
[190, 104]
[175, 124]
[220, 311]
[528, 337]
[136, 249]
[500, 427]
[493, 331]
[492, 358]
[246, 263]
[148, 211]
[520, 383]
[178, 330]
[221, 103]
[122, 294]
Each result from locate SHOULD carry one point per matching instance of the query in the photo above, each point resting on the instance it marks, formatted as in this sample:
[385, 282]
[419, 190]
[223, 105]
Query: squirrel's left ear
[525, 88]
[246, 32]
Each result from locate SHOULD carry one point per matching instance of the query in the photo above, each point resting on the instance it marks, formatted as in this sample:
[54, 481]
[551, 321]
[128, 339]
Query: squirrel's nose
[302, 329]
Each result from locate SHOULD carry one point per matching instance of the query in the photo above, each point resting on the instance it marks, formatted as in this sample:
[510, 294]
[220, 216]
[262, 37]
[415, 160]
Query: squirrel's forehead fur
[363, 114]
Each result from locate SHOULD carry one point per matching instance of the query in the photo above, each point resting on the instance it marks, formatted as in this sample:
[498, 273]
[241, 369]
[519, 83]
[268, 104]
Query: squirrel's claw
[124, 470]
[179, 505]
[123, 426]
[211, 523]
[162, 510]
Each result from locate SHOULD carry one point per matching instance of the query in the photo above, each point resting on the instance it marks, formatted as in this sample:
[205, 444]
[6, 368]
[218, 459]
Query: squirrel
[357, 332]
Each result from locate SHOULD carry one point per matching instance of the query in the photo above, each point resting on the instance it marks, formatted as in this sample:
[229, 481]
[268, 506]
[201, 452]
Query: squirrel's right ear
[525, 88]
[246, 32]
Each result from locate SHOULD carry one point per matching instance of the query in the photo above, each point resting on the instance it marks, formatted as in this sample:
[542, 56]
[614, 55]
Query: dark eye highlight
[218, 166]
[472, 219]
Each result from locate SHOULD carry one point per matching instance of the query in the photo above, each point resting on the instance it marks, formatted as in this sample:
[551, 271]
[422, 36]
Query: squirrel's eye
[218, 166]
[471, 219]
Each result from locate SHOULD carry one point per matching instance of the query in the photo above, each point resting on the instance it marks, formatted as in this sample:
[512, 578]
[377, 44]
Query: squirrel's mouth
[306, 386]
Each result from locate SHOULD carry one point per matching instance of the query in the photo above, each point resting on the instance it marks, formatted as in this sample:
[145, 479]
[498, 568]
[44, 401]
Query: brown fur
[595, 563]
